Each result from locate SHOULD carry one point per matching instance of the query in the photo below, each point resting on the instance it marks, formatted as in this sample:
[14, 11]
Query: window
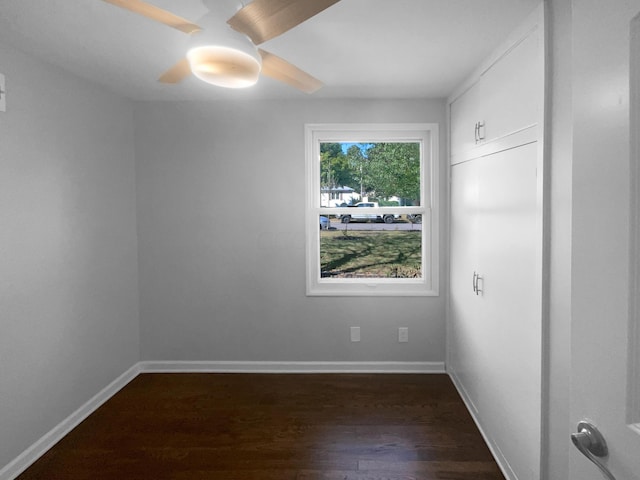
[371, 209]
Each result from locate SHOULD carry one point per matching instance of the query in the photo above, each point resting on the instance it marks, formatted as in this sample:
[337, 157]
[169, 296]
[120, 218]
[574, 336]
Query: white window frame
[427, 134]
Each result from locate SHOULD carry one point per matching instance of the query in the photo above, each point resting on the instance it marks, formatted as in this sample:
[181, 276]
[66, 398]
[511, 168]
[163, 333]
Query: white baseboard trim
[500, 459]
[40, 447]
[48, 440]
[290, 367]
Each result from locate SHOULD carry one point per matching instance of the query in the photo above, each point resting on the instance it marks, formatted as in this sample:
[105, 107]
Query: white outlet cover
[3, 94]
[403, 334]
[355, 334]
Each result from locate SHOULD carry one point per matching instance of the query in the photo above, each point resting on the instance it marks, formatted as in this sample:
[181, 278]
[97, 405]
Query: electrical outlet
[355, 334]
[403, 334]
[3, 94]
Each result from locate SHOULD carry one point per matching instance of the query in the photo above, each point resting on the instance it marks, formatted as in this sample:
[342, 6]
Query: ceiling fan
[226, 54]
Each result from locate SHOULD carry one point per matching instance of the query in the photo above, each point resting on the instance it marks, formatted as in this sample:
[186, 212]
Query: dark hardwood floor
[275, 427]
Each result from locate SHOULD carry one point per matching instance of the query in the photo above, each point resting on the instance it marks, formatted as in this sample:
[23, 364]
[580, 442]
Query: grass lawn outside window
[370, 254]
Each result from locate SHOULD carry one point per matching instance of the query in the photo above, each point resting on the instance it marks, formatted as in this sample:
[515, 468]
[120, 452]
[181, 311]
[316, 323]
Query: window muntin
[388, 244]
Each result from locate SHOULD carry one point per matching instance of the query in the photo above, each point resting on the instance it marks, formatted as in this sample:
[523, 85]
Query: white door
[495, 306]
[510, 305]
[604, 349]
[465, 328]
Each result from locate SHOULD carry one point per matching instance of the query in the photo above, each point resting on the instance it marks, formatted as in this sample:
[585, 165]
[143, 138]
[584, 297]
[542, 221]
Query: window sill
[377, 288]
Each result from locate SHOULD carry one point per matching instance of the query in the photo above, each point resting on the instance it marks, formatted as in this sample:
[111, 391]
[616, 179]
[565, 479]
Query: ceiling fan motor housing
[220, 55]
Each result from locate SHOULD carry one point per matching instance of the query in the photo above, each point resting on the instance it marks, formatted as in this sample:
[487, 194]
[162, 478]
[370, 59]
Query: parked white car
[362, 216]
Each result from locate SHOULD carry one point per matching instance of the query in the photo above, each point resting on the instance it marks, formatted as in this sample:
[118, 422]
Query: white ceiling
[359, 48]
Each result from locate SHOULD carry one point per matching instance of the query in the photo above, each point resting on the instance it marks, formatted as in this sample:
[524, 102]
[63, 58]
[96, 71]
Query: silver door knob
[592, 445]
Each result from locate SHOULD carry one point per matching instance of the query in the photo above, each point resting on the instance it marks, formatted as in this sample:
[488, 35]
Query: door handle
[480, 131]
[476, 288]
[592, 445]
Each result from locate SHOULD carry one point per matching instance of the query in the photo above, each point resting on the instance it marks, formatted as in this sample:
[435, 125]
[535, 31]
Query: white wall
[222, 246]
[68, 281]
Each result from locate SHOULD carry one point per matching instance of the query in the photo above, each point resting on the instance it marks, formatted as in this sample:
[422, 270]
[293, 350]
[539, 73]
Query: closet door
[464, 327]
[510, 90]
[502, 107]
[508, 243]
[466, 111]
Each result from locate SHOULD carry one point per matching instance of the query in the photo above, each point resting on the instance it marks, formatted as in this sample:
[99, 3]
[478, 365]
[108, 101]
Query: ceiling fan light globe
[220, 55]
[224, 66]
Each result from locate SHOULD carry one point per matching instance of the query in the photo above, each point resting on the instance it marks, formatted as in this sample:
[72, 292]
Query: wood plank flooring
[275, 427]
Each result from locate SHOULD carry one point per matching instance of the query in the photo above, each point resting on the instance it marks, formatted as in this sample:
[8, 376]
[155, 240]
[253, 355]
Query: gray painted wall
[221, 229]
[68, 281]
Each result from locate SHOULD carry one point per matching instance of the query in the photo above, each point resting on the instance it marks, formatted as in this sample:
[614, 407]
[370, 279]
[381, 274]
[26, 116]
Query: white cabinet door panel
[495, 336]
[506, 99]
[464, 327]
[465, 113]
[511, 90]
[508, 242]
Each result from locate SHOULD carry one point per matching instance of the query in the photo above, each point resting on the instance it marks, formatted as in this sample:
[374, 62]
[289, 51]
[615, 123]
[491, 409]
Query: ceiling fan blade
[279, 69]
[158, 14]
[262, 20]
[177, 73]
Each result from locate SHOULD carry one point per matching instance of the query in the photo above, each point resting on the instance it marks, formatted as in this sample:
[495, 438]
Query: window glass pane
[370, 248]
[387, 173]
[371, 191]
